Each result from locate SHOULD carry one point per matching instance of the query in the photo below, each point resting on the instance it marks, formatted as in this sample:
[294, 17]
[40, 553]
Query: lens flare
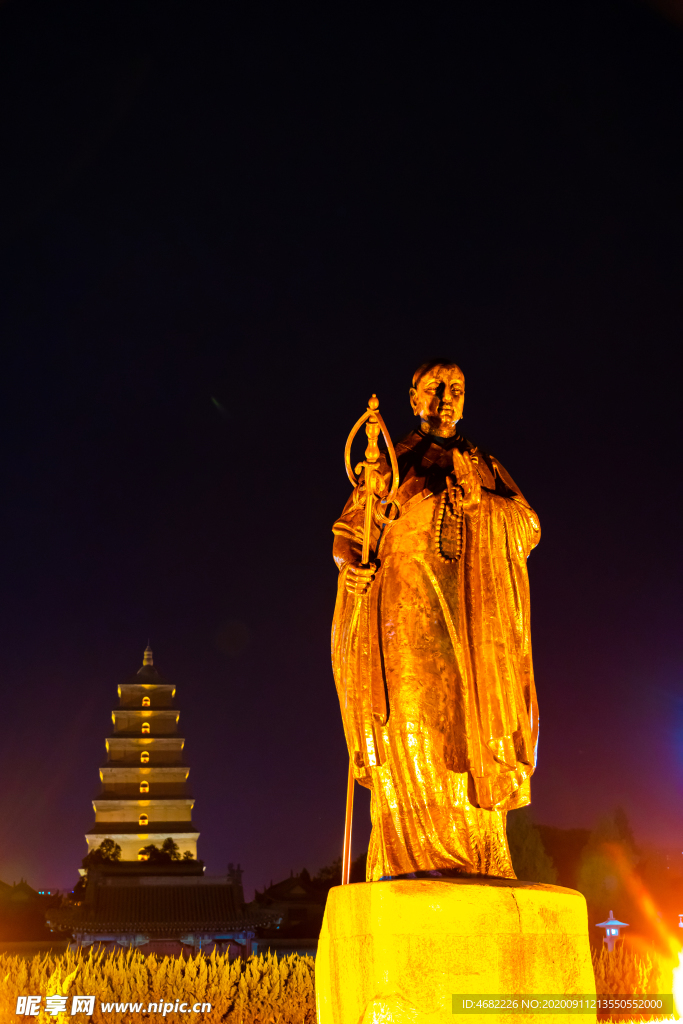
[667, 947]
[678, 985]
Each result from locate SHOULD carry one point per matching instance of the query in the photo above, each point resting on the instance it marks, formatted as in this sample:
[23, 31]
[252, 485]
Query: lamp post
[611, 926]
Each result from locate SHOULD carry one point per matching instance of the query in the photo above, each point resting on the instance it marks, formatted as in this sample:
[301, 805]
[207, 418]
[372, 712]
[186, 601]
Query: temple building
[144, 798]
[169, 909]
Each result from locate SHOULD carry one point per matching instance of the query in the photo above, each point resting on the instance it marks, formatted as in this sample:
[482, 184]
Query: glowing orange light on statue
[143, 820]
[144, 787]
[145, 702]
[425, 551]
[145, 727]
[144, 757]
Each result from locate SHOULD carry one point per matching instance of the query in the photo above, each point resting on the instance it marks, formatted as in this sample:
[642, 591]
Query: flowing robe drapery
[433, 669]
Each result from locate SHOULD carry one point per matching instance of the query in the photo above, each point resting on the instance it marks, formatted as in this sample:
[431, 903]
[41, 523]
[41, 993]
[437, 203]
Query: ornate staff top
[373, 485]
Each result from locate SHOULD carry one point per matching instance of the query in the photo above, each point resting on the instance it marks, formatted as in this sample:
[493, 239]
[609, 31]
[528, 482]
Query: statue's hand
[467, 477]
[359, 578]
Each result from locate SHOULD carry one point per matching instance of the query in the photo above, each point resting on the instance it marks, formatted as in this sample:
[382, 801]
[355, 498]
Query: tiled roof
[294, 889]
[147, 674]
[159, 909]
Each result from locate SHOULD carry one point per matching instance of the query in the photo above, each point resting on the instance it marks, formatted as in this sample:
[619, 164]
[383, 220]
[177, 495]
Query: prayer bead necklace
[458, 513]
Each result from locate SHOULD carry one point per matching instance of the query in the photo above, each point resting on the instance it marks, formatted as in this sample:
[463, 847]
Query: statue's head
[438, 396]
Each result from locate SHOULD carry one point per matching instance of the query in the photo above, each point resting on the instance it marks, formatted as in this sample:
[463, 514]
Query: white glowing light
[678, 984]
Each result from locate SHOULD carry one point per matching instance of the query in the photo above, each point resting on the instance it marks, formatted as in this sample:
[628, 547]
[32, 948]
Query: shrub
[625, 971]
[260, 990]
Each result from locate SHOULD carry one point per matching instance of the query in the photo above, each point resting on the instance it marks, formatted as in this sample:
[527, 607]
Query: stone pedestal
[399, 951]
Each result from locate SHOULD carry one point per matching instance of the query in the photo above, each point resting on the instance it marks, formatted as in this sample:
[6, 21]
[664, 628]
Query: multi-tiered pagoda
[160, 905]
[144, 798]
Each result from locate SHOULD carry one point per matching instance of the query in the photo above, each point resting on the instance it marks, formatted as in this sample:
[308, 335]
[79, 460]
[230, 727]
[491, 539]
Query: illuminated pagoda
[161, 903]
[144, 798]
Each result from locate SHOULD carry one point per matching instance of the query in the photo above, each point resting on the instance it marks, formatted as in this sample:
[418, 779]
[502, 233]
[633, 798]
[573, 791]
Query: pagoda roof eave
[134, 831]
[128, 734]
[124, 709]
[135, 683]
[145, 798]
[122, 738]
[180, 765]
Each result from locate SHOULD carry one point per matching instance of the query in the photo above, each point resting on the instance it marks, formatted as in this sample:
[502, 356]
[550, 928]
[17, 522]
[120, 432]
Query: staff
[373, 487]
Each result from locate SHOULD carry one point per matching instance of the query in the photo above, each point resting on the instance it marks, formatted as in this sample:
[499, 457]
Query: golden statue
[431, 641]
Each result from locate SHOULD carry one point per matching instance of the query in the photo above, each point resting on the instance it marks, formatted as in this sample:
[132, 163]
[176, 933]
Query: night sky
[224, 226]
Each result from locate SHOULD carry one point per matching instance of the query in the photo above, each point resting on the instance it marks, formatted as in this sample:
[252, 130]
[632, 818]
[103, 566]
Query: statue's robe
[433, 669]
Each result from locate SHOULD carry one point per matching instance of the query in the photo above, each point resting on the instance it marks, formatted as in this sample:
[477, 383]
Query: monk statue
[431, 648]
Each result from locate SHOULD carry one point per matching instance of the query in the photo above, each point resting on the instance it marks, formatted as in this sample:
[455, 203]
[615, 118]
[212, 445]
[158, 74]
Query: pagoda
[164, 905]
[144, 798]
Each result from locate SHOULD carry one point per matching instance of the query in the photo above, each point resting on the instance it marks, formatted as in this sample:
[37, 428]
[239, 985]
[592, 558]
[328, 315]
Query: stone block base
[397, 952]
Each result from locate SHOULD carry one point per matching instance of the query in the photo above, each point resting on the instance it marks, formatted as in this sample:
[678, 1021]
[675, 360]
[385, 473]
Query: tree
[77, 894]
[170, 847]
[168, 853]
[108, 851]
[154, 855]
[331, 874]
[188, 855]
[609, 856]
[529, 857]
[624, 830]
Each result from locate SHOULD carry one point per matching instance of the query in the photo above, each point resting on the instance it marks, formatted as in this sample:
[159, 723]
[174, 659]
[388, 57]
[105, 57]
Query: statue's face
[438, 400]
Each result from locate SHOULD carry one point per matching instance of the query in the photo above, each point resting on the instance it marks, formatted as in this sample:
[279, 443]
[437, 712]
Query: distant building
[22, 912]
[144, 797]
[299, 904]
[167, 909]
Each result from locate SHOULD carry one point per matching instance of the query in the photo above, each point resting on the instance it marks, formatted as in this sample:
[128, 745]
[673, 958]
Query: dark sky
[223, 227]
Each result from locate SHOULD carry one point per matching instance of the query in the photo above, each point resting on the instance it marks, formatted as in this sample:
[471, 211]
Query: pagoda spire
[147, 658]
